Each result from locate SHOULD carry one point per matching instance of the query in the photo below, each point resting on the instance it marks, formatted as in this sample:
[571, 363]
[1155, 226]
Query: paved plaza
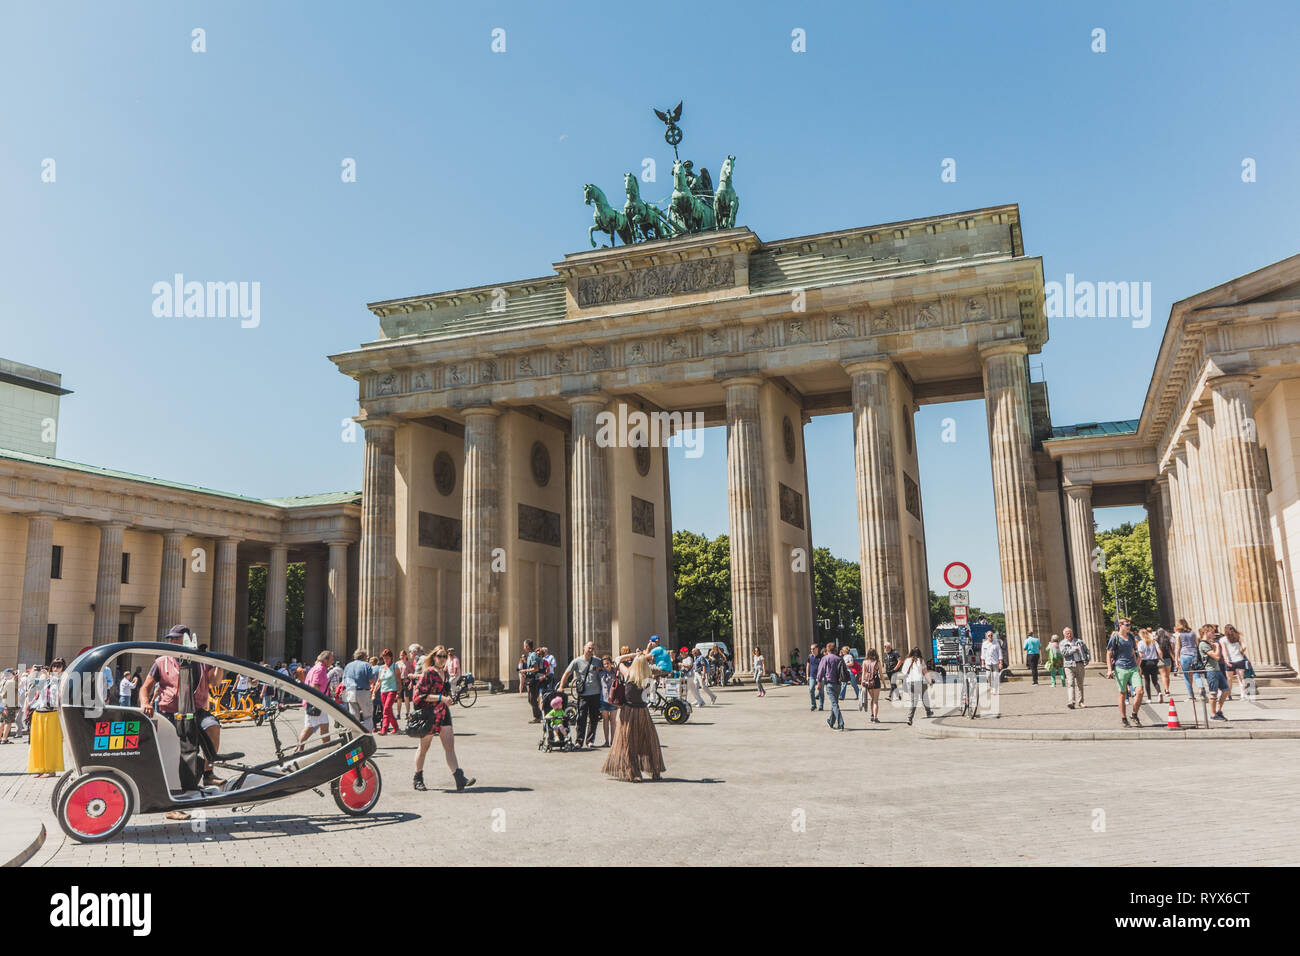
[757, 781]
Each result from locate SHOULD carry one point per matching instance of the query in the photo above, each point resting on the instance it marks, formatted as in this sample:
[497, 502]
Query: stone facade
[184, 550]
[759, 337]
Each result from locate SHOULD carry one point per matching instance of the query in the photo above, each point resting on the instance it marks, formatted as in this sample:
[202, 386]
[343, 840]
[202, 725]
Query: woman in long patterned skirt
[635, 750]
[45, 758]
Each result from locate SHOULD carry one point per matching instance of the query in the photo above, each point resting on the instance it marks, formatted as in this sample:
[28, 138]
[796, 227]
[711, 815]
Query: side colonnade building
[1214, 459]
[89, 555]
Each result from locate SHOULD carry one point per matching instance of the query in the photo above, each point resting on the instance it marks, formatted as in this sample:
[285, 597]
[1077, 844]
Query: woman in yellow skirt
[45, 759]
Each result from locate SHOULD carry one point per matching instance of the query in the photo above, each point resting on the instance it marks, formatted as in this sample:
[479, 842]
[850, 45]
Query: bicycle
[970, 690]
[464, 693]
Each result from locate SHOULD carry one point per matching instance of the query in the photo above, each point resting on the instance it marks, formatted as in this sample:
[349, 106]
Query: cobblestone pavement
[750, 781]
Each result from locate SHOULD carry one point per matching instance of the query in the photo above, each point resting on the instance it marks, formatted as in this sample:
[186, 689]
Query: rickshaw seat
[169, 751]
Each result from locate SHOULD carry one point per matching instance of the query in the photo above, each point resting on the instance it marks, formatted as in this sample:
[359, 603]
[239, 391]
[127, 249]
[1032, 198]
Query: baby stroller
[551, 738]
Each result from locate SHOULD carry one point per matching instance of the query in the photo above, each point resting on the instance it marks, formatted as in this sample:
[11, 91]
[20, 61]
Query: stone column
[480, 605]
[36, 590]
[751, 565]
[277, 585]
[240, 643]
[1177, 602]
[222, 638]
[336, 602]
[315, 573]
[1084, 567]
[589, 527]
[170, 594]
[108, 583]
[1159, 552]
[1211, 482]
[1189, 545]
[1209, 545]
[377, 626]
[884, 601]
[1251, 559]
[1015, 495]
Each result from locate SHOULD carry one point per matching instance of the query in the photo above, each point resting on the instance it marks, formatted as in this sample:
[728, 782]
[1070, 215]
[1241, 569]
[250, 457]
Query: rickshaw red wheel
[95, 807]
[357, 791]
[58, 790]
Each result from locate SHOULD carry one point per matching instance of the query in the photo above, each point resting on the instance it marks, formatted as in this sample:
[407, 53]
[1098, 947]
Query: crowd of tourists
[411, 691]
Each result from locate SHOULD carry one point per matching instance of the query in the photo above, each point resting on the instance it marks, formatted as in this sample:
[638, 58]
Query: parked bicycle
[464, 692]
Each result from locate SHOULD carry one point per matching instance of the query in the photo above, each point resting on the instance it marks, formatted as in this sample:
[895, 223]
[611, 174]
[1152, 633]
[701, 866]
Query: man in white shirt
[991, 658]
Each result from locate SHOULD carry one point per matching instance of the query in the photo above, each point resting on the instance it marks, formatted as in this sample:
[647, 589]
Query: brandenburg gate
[496, 508]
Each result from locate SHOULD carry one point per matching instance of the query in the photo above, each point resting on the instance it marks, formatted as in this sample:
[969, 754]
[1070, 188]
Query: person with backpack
[871, 681]
[1211, 661]
[893, 664]
[1055, 661]
[916, 683]
[1075, 657]
[584, 673]
[1165, 662]
[1122, 665]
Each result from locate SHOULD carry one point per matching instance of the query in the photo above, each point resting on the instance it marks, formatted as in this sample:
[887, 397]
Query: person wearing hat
[659, 656]
[164, 677]
[8, 703]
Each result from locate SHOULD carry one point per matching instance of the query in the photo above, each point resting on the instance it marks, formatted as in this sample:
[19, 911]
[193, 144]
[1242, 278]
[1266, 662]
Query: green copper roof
[1096, 429]
[302, 501]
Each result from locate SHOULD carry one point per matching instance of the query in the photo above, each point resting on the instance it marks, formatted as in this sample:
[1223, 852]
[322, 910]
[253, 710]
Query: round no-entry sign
[957, 580]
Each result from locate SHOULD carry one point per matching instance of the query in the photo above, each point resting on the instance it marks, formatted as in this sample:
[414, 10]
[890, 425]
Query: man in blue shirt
[358, 682]
[1032, 650]
[660, 656]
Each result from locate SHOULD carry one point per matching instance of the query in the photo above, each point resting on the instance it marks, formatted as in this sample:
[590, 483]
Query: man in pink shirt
[318, 679]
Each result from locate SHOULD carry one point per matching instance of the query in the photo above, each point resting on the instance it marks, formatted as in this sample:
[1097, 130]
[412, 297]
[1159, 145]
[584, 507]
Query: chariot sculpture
[694, 205]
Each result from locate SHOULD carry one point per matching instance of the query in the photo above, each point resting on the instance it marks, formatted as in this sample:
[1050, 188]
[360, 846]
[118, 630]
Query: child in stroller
[555, 723]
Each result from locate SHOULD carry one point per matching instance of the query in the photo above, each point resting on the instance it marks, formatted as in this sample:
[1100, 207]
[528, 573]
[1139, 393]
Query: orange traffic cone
[1173, 715]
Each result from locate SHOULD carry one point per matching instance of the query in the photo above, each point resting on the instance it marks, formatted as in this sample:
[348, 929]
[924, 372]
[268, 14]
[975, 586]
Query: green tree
[702, 572]
[837, 585]
[293, 612]
[941, 613]
[1126, 569]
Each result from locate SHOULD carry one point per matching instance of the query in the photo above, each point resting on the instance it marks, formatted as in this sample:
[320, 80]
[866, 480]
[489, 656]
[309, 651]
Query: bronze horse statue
[725, 201]
[607, 219]
[644, 219]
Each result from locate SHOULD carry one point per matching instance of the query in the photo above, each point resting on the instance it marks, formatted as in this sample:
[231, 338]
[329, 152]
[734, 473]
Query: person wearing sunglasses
[433, 697]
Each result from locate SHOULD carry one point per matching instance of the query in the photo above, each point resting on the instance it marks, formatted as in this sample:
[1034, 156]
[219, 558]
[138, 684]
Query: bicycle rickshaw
[125, 762]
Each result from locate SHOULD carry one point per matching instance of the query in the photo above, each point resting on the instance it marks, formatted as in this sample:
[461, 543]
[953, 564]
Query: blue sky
[225, 165]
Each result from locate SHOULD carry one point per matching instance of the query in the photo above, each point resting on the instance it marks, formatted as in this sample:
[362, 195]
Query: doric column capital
[112, 525]
[1078, 489]
[1231, 382]
[747, 380]
[480, 410]
[377, 426]
[1003, 347]
[279, 549]
[588, 398]
[345, 542]
[868, 365]
[174, 536]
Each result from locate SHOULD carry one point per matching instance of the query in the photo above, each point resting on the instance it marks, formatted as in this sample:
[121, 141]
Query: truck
[951, 645]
